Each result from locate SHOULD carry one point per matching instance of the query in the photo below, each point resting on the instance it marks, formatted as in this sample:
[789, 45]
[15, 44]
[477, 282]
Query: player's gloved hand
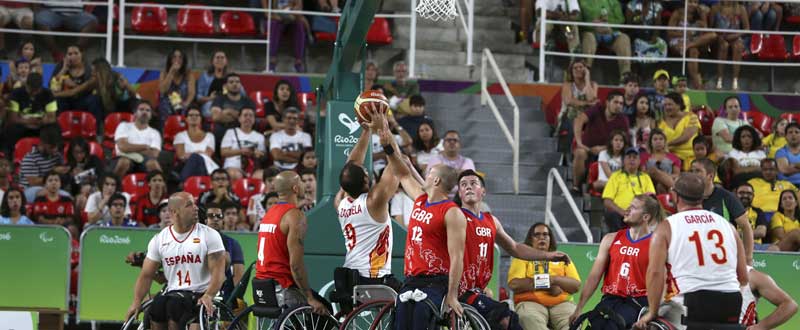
[317, 306]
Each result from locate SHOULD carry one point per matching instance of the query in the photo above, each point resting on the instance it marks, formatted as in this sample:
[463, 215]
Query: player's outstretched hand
[558, 256]
[642, 322]
[208, 302]
[317, 306]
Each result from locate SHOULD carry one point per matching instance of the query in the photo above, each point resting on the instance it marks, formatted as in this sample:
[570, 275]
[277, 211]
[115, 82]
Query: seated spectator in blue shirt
[117, 206]
[235, 271]
[788, 157]
[13, 210]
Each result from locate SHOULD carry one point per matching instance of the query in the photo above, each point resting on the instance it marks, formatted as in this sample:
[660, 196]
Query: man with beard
[755, 216]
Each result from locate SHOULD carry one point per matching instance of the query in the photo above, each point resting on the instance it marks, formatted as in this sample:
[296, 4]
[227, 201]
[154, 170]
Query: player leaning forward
[193, 258]
[703, 253]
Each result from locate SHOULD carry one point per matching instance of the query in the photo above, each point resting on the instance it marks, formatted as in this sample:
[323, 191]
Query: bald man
[280, 245]
[193, 257]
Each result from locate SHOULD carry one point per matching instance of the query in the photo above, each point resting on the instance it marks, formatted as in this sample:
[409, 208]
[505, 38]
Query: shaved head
[179, 199]
[183, 209]
[285, 183]
[448, 176]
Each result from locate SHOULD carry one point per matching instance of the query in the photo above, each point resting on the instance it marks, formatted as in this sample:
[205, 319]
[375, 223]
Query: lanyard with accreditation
[541, 280]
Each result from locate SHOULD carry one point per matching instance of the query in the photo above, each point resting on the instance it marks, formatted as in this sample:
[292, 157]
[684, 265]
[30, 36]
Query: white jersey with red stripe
[368, 242]
[749, 302]
[702, 252]
[184, 256]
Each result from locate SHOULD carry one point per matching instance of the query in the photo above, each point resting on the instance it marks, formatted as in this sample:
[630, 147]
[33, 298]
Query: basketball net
[437, 9]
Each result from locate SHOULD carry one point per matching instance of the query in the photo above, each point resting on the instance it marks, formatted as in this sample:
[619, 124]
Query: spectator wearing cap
[622, 187]
[288, 144]
[681, 84]
[679, 126]
[724, 127]
[767, 189]
[630, 84]
[593, 131]
[119, 218]
[660, 90]
[40, 161]
[720, 201]
[29, 109]
[788, 157]
[605, 11]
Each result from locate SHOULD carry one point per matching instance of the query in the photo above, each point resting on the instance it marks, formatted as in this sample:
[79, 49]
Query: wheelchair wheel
[470, 320]
[384, 320]
[362, 317]
[221, 318]
[133, 323]
[303, 318]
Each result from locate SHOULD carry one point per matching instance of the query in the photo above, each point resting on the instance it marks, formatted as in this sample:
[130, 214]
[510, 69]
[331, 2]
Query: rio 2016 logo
[347, 141]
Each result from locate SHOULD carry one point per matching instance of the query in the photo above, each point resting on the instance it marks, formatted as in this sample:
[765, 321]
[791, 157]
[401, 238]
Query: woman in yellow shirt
[786, 219]
[542, 290]
[777, 139]
[679, 126]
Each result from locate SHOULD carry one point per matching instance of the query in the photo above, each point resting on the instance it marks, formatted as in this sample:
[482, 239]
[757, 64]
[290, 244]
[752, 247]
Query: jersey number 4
[184, 280]
[716, 236]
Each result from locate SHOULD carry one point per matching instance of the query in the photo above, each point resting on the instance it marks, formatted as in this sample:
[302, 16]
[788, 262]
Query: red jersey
[273, 254]
[145, 211]
[478, 251]
[426, 242]
[61, 207]
[627, 266]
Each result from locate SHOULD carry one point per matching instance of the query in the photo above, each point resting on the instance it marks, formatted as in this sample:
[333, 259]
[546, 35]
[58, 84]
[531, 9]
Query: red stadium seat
[756, 44]
[195, 21]
[23, 147]
[150, 19]
[796, 47]
[258, 98]
[246, 188]
[172, 126]
[759, 121]
[110, 126]
[327, 36]
[666, 202]
[706, 117]
[237, 23]
[792, 117]
[196, 185]
[379, 32]
[306, 100]
[94, 149]
[135, 184]
[774, 49]
[594, 173]
[77, 124]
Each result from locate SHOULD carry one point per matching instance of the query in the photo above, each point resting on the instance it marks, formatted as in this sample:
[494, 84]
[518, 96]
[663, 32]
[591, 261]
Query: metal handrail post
[121, 35]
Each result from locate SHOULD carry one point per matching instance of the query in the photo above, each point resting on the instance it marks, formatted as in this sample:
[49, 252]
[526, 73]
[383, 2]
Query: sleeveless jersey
[426, 242]
[273, 254]
[627, 266]
[183, 256]
[702, 252]
[478, 251]
[368, 242]
[749, 302]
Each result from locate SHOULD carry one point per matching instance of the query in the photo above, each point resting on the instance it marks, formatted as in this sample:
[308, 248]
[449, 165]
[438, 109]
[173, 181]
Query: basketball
[365, 102]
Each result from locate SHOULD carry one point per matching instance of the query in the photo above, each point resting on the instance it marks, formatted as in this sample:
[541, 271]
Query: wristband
[388, 149]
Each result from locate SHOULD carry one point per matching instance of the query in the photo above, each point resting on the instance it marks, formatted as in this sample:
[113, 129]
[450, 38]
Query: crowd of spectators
[652, 45]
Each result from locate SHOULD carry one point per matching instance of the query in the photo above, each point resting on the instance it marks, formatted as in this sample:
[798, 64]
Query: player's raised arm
[456, 225]
[359, 151]
[524, 251]
[598, 269]
[380, 194]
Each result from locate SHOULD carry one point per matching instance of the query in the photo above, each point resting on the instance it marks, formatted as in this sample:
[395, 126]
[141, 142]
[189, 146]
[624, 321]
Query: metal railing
[685, 29]
[486, 99]
[550, 218]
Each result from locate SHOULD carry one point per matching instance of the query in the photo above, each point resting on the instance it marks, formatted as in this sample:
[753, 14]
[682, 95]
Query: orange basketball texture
[364, 102]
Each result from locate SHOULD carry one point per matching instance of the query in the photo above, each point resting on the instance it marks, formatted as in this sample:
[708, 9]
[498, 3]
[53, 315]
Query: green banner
[36, 268]
[783, 267]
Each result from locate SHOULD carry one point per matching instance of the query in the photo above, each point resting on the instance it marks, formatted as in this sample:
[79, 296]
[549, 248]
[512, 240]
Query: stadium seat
[195, 21]
[77, 124]
[196, 185]
[327, 36]
[756, 44]
[237, 23]
[258, 98]
[796, 48]
[149, 19]
[706, 117]
[135, 184]
[246, 188]
[759, 121]
[666, 202]
[94, 149]
[23, 147]
[110, 127]
[594, 173]
[172, 126]
[379, 32]
[774, 49]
